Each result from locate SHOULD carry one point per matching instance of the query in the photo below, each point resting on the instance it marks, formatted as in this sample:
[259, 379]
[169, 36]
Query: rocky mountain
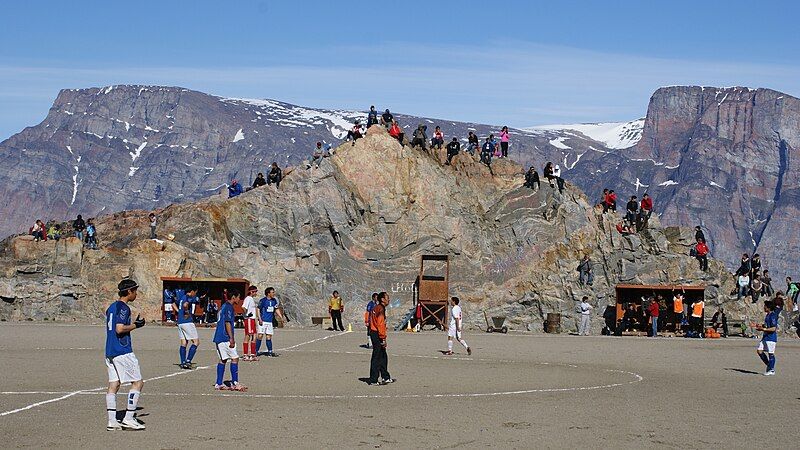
[359, 224]
[117, 148]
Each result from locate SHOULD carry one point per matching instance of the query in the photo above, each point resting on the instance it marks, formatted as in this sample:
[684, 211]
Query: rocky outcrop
[359, 224]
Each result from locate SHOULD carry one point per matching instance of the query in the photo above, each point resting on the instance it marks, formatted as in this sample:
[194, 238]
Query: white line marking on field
[174, 374]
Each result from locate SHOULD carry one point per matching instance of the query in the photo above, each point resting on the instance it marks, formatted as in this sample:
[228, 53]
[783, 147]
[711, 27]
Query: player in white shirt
[250, 313]
[455, 328]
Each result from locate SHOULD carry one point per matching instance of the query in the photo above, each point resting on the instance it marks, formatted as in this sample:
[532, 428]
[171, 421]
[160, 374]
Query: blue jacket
[234, 190]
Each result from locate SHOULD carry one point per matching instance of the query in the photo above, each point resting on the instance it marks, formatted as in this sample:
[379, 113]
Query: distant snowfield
[614, 135]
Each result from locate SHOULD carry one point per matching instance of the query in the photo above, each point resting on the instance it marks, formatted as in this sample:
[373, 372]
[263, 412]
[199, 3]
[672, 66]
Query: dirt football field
[515, 391]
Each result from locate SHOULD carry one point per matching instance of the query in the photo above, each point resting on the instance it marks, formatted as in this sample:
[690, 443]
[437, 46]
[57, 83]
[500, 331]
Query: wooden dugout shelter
[213, 287]
[633, 293]
[433, 290]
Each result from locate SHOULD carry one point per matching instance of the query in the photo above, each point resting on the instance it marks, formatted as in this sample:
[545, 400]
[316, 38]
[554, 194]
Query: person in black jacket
[632, 210]
[259, 181]
[719, 319]
[275, 175]
[472, 143]
[698, 234]
[532, 178]
[452, 149]
[79, 226]
[372, 117]
[386, 119]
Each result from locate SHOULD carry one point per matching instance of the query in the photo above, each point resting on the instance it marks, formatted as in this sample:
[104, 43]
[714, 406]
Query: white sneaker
[113, 425]
[132, 424]
[769, 373]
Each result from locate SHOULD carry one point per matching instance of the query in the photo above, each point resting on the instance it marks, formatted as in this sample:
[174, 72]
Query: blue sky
[517, 63]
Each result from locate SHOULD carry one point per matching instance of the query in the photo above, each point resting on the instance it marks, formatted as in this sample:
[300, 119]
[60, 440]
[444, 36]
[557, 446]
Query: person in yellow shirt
[335, 309]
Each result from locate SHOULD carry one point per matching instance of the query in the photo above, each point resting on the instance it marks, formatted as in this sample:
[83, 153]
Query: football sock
[771, 364]
[235, 372]
[269, 345]
[245, 348]
[111, 407]
[258, 346]
[182, 352]
[449, 346]
[192, 351]
[220, 372]
[764, 358]
[253, 348]
[133, 401]
[464, 343]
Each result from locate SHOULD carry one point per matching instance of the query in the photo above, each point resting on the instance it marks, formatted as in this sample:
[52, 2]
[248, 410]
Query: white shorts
[225, 352]
[168, 307]
[451, 332]
[265, 328]
[769, 346]
[187, 331]
[123, 368]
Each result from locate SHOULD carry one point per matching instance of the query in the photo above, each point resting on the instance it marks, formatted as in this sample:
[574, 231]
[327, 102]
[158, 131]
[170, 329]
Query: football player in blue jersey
[123, 367]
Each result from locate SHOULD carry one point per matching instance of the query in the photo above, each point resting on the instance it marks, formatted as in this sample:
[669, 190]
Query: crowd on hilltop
[85, 231]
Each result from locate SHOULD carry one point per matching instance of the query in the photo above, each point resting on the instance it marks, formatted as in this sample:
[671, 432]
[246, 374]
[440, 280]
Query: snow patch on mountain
[239, 136]
[614, 135]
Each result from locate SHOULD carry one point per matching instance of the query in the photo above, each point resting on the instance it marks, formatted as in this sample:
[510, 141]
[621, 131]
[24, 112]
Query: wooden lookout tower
[433, 290]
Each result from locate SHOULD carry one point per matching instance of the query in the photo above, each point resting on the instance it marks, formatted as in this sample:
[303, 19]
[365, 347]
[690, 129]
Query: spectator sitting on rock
[372, 117]
[91, 235]
[625, 228]
[698, 233]
[452, 150]
[743, 282]
[355, 132]
[259, 181]
[548, 173]
[585, 271]
[78, 226]
[234, 189]
[767, 281]
[756, 287]
[532, 179]
[611, 201]
[38, 231]
[396, 132]
[438, 138]
[719, 319]
[486, 152]
[645, 210]
[701, 253]
[472, 143]
[54, 232]
[632, 210]
[275, 175]
[316, 156]
[386, 119]
[420, 138]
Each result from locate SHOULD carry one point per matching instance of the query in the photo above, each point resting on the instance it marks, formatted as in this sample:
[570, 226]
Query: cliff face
[728, 159]
[359, 224]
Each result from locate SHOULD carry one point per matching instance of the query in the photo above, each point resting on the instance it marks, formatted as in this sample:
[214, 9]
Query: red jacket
[611, 199]
[702, 249]
[653, 309]
[647, 204]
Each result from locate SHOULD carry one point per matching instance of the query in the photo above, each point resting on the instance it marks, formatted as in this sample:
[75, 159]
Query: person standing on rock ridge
[372, 117]
[122, 365]
[91, 235]
[585, 310]
[275, 175]
[632, 210]
[379, 363]
[79, 226]
[153, 223]
[744, 265]
[698, 233]
[586, 275]
[701, 252]
[504, 142]
[335, 310]
[453, 148]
